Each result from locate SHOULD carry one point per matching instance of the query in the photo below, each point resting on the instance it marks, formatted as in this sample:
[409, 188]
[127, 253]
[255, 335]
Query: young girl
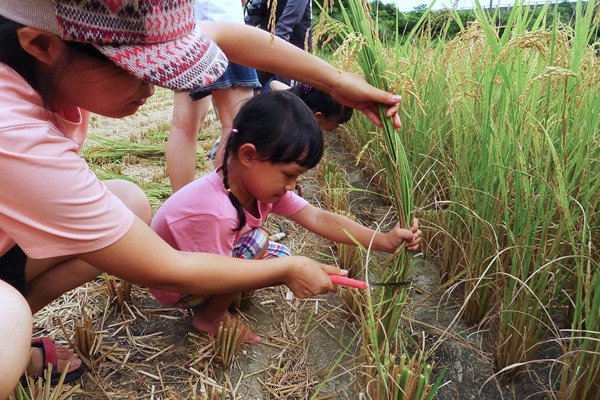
[329, 113]
[275, 139]
[60, 226]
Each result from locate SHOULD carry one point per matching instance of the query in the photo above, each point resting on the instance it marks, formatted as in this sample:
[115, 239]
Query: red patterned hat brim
[187, 63]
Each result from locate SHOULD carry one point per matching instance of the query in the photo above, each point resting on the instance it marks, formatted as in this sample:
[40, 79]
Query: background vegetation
[441, 23]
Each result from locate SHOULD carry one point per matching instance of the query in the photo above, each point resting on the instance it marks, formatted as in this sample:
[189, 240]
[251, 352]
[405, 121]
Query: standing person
[293, 19]
[275, 139]
[60, 226]
[190, 109]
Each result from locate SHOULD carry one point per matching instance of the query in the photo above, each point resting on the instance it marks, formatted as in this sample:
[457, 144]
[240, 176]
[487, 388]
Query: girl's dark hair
[281, 128]
[13, 55]
[320, 101]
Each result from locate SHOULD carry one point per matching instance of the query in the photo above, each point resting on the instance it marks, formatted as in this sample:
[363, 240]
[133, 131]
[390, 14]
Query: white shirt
[219, 10]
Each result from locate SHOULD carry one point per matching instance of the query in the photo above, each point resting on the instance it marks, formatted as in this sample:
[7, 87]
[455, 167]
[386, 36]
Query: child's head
[281, 129]
[329, 112]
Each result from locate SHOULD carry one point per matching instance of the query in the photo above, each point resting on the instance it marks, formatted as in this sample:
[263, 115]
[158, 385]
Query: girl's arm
[143, 258]
[341, 229]
[256, 48]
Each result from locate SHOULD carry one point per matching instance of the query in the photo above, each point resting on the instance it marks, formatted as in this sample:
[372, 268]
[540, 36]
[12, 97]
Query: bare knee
[15, 329]
[132, 196]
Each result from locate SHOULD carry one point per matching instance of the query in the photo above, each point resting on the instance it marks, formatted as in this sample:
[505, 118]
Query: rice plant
[384, 306]
[334, 193]
[349, 256]
[503, 132]
[40, 389]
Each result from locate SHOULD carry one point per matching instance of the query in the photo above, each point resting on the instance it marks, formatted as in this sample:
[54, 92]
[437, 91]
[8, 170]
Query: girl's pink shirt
[200, 218]
[51, 203]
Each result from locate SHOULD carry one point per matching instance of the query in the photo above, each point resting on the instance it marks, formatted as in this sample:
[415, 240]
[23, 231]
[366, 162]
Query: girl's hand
[415, 244]
[353, 91]
[411, 238]
[307, 277]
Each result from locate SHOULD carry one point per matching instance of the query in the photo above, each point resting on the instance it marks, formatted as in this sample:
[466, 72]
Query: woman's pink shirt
[51, 203]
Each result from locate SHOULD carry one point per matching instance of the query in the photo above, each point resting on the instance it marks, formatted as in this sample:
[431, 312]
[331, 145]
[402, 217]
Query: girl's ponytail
[234, 200]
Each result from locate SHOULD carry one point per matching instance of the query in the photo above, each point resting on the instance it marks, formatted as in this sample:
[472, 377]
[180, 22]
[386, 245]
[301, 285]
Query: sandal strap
[48, 351]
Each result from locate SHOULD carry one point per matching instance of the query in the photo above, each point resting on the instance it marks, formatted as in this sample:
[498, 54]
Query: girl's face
[101, 87]
[269, 182]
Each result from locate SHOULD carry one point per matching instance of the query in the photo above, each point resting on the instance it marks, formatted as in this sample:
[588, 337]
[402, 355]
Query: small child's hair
[282, 129]
[320, 101]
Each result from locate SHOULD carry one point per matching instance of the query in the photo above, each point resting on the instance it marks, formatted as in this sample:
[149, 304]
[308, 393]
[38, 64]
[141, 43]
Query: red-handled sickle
[342, 280]
[355, 283]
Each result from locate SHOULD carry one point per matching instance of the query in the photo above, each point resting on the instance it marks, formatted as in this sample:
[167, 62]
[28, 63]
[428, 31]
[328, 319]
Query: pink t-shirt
[200, 218]
[51, 203]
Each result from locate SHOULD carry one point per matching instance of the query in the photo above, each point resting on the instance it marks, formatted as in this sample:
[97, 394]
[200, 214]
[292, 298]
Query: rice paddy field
[498, 157]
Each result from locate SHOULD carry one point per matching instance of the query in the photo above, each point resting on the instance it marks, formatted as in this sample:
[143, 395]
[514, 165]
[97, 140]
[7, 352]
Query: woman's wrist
[282, 269]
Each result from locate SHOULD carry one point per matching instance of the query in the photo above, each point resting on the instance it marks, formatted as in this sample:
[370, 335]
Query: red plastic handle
[342, 280]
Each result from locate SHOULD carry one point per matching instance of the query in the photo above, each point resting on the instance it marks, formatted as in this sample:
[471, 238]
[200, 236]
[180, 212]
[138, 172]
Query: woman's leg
[228, 102]
[188, 119]
[15, 334]
[48, 279]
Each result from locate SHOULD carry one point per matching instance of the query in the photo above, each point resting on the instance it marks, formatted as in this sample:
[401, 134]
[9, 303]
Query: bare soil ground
[145, 351]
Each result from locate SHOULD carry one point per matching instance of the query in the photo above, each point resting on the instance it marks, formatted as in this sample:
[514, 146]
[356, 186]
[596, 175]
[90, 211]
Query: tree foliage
[440, 23]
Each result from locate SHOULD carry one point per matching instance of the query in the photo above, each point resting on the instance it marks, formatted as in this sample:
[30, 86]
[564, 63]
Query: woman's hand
[307, 277]
[397, 237]
[353, 91]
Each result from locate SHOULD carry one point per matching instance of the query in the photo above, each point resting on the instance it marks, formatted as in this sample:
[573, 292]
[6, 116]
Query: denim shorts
[235, 76]
[12, 269]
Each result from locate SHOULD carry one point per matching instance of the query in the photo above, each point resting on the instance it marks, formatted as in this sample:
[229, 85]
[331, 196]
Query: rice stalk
[119, 291]
[40, 389]
[99, 150]
[349, 256]
[403, 379]
[87, 341]
[383, 315]
[369, 52]
[229, 340]
[335, 194]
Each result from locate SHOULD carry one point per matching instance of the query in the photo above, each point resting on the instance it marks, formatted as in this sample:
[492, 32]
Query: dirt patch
[308, 346]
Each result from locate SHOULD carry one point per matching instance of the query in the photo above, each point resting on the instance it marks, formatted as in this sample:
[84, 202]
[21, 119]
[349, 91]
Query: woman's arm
[258, 49]
[341, 229]
[142, 257]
